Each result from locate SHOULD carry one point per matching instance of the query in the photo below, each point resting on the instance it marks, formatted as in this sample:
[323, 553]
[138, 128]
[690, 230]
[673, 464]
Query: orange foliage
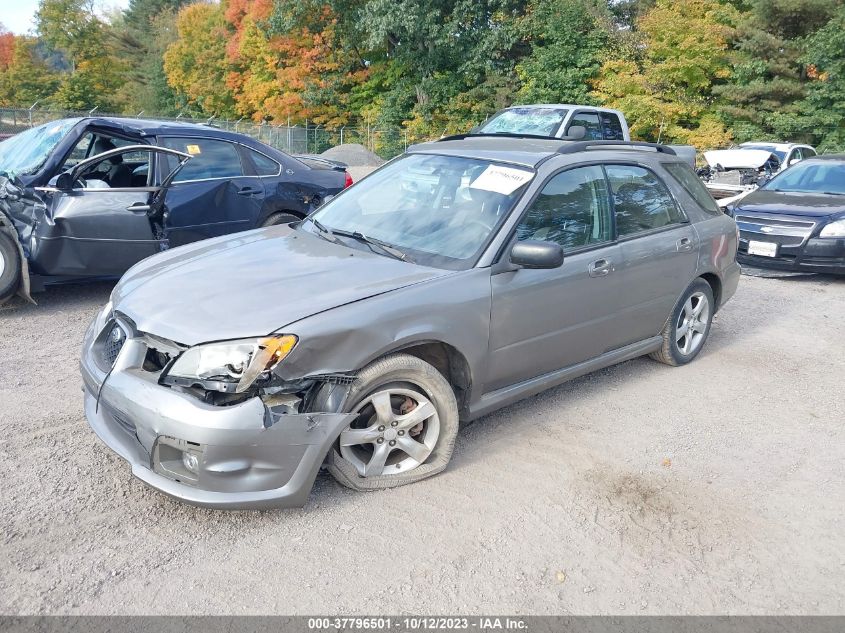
[270, 75]
[7, 49]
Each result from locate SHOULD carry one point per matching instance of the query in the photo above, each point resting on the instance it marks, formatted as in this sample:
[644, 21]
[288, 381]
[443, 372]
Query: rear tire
[688, 327]
[10, 268]
[388, 445]
[280, 218]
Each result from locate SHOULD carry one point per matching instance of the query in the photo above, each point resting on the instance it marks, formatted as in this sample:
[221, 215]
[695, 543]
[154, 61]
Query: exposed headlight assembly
[230, 366]
[834, 229]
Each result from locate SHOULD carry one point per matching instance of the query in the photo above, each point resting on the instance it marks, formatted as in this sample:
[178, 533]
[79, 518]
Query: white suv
[555, 119]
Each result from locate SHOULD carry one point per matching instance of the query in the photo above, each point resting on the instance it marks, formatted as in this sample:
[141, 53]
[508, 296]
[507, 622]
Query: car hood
[790, 203]
[737, 158]
[252, 284]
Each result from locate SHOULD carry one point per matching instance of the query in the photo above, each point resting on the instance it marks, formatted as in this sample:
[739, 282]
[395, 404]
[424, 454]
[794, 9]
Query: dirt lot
[714, 488]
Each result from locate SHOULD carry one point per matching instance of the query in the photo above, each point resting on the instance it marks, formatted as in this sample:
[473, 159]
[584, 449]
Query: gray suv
[463, 276]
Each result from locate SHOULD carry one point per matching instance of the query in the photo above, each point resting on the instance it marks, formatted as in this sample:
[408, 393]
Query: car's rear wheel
[687, 329]
[281, 217]
[405, 429]
[10, 267]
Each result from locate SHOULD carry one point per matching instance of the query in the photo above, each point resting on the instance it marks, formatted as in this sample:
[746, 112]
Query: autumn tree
[72, 29]
[666, 87]
[26, 78]
[196, 65]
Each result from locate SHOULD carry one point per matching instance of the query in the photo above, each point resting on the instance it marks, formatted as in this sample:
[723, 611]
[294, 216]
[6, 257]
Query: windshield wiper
[372, 242]
[325, 233]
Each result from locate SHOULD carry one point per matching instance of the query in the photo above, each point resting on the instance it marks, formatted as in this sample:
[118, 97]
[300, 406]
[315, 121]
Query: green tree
[569, 39]
[768, 83]
[71, 28]
[142, 35]
[824, 106]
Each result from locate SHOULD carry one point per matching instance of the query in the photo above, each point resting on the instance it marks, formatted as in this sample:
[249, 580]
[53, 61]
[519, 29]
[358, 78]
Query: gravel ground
[718, 487]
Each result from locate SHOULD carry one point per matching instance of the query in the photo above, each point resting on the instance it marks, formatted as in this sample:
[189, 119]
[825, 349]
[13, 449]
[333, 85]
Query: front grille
[776, 226]
[112, 344]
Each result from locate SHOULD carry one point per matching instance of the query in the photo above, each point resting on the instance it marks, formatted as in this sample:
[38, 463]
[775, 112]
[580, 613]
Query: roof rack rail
[569, 147]
[580, 146]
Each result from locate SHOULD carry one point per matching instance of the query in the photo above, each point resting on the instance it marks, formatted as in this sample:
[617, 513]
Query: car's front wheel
[689, 326]
[405, 429]
[10, 267]
[281, 217]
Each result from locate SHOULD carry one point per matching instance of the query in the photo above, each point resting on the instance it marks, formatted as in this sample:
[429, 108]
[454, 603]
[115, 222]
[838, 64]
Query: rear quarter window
[686, 177]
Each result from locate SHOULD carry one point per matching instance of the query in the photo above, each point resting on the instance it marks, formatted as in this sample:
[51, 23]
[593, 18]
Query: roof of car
[153, 127]
[834, 157]
[783, 147]
[524, 150]
[568, 106]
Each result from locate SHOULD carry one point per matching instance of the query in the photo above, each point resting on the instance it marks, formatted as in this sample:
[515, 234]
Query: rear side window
[210, 158]
[264, 165]
[684, 174]
[590, 121]
[572, 209]
[641, 201]
[612, 127]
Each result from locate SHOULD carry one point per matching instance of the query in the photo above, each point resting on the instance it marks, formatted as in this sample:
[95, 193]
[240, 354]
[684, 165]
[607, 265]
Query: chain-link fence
[302, 138]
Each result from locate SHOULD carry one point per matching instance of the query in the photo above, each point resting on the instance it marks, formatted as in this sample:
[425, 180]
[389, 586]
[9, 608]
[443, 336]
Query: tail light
[349, 180]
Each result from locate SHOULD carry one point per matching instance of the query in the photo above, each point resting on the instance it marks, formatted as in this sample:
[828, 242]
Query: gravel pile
[354, 155]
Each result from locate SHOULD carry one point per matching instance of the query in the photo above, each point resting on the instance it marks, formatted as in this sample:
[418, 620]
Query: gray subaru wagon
[463, 276]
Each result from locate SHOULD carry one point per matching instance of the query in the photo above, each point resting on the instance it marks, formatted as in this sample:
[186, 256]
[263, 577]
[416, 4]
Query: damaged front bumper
[242, 456]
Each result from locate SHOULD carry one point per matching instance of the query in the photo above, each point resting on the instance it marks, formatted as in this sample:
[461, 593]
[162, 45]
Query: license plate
[764, 249]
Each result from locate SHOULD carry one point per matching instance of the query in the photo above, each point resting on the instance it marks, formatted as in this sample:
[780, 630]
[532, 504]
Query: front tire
[279, 218]
[687, 329]
[405, 430]
[10, 268]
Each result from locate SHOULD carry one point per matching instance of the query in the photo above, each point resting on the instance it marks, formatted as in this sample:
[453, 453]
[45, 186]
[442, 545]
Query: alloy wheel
[2, 263]
[692, 323]
[396, 430]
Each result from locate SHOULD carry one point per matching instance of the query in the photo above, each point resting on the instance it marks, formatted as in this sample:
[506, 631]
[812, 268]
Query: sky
[18, 15]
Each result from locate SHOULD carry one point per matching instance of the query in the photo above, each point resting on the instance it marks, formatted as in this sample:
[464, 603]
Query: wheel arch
[715, 285]
[446, 359]
[273, 211]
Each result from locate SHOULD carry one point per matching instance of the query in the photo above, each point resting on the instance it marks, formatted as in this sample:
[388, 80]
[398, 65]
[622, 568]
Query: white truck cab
[555, 119]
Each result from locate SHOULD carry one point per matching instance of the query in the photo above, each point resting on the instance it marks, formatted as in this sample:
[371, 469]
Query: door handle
[247, 191]
[600, 268]
[683, 244]
[139, 207]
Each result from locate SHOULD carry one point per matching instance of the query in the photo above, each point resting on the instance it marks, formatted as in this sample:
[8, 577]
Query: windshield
[528, 120]
[811, 177]
[25, 152]
[436, 210]
[768, 148]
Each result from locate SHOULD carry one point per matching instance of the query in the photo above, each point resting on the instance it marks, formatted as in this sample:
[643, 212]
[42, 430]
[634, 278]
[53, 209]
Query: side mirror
[793, 161]
[575, 133]
[762, 180]
[64, 181]
[537, 254]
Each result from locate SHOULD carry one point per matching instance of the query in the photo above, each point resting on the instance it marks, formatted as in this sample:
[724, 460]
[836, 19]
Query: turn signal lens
[270, 352]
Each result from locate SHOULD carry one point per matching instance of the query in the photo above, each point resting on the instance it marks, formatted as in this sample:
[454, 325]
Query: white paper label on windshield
[504, 180]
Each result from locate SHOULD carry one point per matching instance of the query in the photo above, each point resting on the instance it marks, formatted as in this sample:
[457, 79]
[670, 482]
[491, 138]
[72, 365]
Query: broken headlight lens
[237, 363]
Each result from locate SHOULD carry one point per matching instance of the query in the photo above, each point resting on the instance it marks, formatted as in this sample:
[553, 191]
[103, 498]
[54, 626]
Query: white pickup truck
[555, 120]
